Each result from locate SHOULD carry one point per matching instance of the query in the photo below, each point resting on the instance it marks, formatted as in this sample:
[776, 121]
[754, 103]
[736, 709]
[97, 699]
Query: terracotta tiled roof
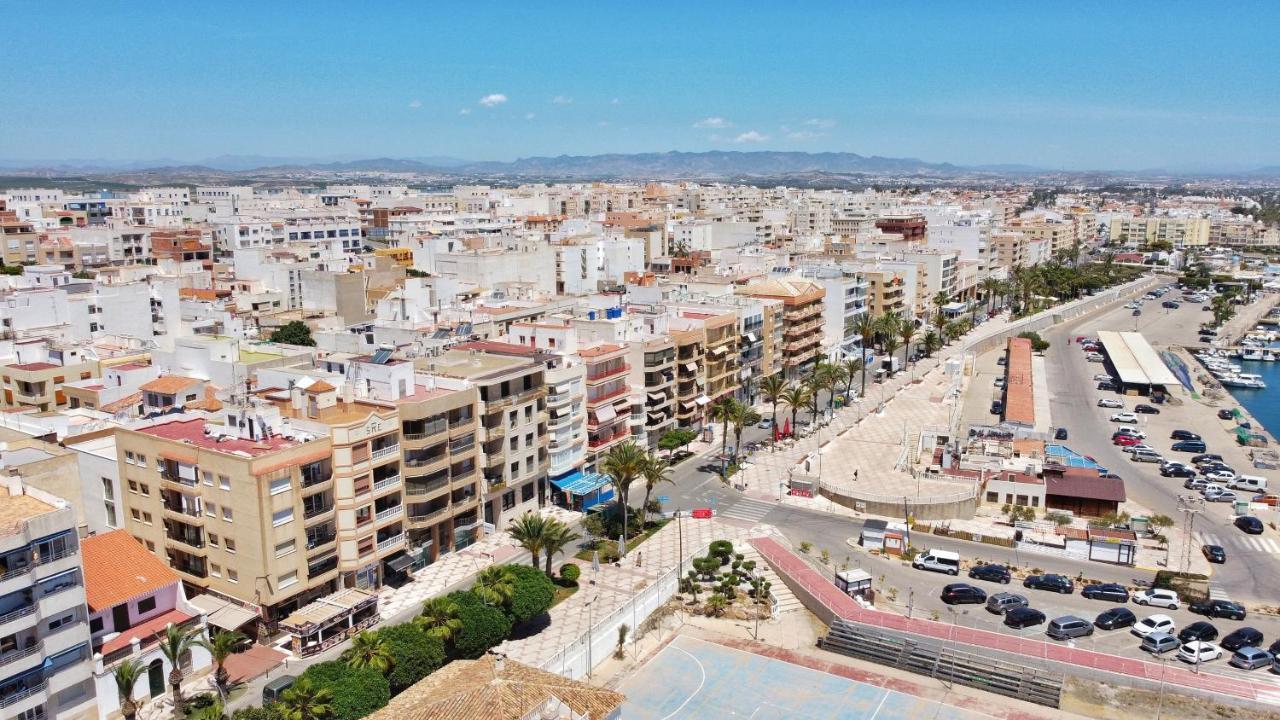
[118, 568]
[478, 689]
[319, 386]
[124, 402]
[169, 384]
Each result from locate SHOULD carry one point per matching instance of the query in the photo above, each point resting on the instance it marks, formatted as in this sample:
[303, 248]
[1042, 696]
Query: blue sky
[1073, 85]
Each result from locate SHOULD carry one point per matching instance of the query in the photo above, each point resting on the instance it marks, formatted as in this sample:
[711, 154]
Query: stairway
[786, 600]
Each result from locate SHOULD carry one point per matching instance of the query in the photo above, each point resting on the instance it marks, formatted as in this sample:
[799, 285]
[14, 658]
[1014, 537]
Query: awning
[691, 367]
[224, 614]
[557, 412]
[702, 400]
[563, 388]
[719, 350]
[605, 413]
[580, 483]
[688, 404]
[751, 337]
[400, 562]
[657, 397]
[657, 416]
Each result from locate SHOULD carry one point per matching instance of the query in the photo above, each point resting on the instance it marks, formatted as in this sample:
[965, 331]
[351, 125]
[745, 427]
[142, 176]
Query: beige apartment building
[1177, 231]
[886, 291]
[1055, 235]
[691, 381]
[38, 385]
[653, 371]
[802, 331]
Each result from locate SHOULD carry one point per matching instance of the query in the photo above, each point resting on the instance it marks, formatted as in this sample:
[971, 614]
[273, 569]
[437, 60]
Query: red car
[1125, 440]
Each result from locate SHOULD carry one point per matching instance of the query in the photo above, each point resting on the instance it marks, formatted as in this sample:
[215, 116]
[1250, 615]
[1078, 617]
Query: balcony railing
[317, 540]
[15, 697]
[315, 511]
[322, 566]
[387, 451]
[608, 396]
[600, 374]
[181, 510]
[184, 482]
[602, 441]
[423, 461]
[386, 482]
[430, 516]
[15, 614]
[18, 572]
[428, 430]
[413, 486]
[19, 654]
[311, 479]
[384, 545]
[388, 513]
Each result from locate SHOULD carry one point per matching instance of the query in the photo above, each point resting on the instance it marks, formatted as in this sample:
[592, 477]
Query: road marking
[747, 509]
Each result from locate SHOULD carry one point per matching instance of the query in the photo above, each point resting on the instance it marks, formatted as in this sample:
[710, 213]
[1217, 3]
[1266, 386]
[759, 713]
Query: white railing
[390, 542]
[390, 512]
[386, 451]
[386, 482]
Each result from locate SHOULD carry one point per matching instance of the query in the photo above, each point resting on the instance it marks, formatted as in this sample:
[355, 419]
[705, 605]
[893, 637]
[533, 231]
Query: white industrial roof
[1135, 360]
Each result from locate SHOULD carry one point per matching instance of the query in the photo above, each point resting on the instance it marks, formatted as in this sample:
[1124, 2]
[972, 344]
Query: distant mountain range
[637, 166]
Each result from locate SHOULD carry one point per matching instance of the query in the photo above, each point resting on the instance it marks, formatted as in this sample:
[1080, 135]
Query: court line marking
[701, 682]
[882, 699]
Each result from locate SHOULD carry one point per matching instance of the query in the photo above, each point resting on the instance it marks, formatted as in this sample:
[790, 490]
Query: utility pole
[1190, 506]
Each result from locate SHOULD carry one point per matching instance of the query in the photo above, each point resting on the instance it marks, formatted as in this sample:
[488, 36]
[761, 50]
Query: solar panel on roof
[440, 334]
[382, 356]
[464, 329]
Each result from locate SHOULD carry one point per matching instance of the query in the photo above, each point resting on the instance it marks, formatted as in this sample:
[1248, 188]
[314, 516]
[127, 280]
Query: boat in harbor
[1251, 381]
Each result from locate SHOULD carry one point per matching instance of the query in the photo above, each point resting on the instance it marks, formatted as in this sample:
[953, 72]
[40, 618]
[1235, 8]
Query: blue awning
[580, 483]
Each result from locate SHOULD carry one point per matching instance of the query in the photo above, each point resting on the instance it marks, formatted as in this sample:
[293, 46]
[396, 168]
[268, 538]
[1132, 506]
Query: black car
[1023, 617]
[1249, 524]
[997, 407]
[1116, 617]
[1107, 385]
[1145, 409]
[1060, 434]
[1206, 457]
[1216, 467]
[1185, 435]
[1169, 304]
[1226, 414]
[1199, 630]
[1177, 471]
[1188, 446]
[1205, 339]
[1111, 592]
[1218, 609]
[1056, 583]
[993, 573]
[1275, 648]
[1214, 553]
[1002, 360]
[1244, 637]
[1208, 331]
[963, 594]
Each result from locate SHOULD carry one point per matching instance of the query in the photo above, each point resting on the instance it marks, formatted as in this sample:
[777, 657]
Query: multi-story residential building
[652, 364]
[1179, 232]
[608, 400]
[19, 237]
[37, 383]
[1054, 233]
[802, 330]
[912, 227]
[132, 596]
[722, 360]
[844, 305]
[691, 399]
[885, 291]
[1012, 249]
[46, 669]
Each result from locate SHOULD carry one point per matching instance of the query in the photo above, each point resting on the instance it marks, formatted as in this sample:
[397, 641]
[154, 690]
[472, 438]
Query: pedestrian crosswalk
[1242, 543]
[747, 509]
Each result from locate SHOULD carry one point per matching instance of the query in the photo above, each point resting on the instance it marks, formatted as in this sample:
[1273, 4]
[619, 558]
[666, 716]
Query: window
[159, 464]
[151, 546]
[286, 548]
[142, 460]
[208, 478]
[515, 469]
[108, 489]
[215, 570]
[211, 509]
[365, 546]
[224, 482]
[128, 456]
[146, 518]
[514, 443]
[362, 485]
[281, 517]
[133, 512]
[110, 509]
[993, 497]
[280, 485]
[231, 546]
[233, 576]
[526, 493]
[133, 486]
[68, 619]
[288, 579]
[213, 539]
[95, 625]
[146, 605]
[146, 489]
[226, 513]
[508, 499]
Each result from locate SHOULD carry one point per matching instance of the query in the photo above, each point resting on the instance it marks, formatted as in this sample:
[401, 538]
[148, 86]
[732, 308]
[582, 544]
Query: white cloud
[750, 136]
[615, 101]
[715, 123]
[562, 100]
[824, 123]
[529, 116]
[493, 99]
[415, 104]
[464, 111]
[803, 135]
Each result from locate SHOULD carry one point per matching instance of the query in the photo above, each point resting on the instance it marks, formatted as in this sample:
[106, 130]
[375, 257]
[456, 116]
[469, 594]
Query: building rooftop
[192, 432]
[169, 384]
[17, 509]
[117, 568]
[33, 367]
[599, 350]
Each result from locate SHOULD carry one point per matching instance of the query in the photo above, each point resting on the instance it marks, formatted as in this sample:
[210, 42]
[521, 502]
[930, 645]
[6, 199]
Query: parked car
[1198, 630]
[1158, 643]
[1094, 357]
[1185, 435]
[1218, 609]
[1157, 597]
[1023, 617]
[1111, 592]
[1251, 658]
[963, 594]
[1060, 434]
[1153, 624]
[1000, 381]
[1199, 652]
[1067, 627]
[1146, 409]
[1136, 312]
[1249, 524]
[1226, 414]
[1002, 360]
[1189, 446]
[1140, 447]
[1056, 583]
[1126, 441]
[997, 407]
[1226, 496]
[1214, 554]
[1100, 377]
[1219, 476]
[1205, 339]
[1124, 417]
[1170, 304]
[1178, 471]
[1115, 618]
[1147, 455]
[1242, 637]
[1129, 431]
[1108, 385]
[766, 424]
[1003, 602]
[991, 572]
[1110, 403]
[1206, 457]
[1195, 483]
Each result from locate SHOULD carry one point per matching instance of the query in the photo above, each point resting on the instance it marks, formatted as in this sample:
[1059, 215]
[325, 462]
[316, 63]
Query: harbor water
[1264, 403]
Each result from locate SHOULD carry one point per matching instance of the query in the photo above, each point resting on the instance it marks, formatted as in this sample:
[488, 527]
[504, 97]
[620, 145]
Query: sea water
[1261, 403]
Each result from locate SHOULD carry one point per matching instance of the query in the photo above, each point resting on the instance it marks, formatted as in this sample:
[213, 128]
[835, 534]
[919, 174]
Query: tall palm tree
[723, 412]
[558, 536]
[304, 701]
[369, 650]
[127, 674]
[932, 342]
[528, 530]
[494, 585]
[887, 325]
[439, 618]
[839, 376]
[623, 464]
[743, 416]
[851, 367]
[772, 387]
[906, 331]
[940, 299]
[890, 345]
[656, 471]
[989, 286]
[814, 384]
[175, 643]
[222, 645]
[867, 329]
[795, 397]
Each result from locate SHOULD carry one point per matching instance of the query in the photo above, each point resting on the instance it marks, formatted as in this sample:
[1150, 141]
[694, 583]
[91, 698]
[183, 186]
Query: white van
[943, 561]
[1256, 483]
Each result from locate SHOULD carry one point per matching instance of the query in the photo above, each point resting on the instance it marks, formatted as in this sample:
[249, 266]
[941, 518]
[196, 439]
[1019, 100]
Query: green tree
[439, 618]
[528, 530]
[494, 585]
[623, 464]
[676, 438]
[304, 700]
[175, 642]
[531, 595]
[906, 331]
[126, 676]
[655, 472]
[266, 712]
[294, 332]
[557, 536]
[850, 367]
[932, 343]
[369, 650]
[795, 398]
[221, 646]
[772, 388]
[866, 327]
[1038, 344]
[356, 692]
[416, 654]
[743, 416]
[722, 411]
[483, 627]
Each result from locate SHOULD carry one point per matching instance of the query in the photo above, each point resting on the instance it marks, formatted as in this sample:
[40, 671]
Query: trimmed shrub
[570, 573]
[266, 712]
[482, 626]
[721, 549]
[356, 692]
[533, 594]
[417, 654]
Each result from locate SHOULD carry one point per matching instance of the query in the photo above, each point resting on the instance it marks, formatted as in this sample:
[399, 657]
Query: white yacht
[1244, 380]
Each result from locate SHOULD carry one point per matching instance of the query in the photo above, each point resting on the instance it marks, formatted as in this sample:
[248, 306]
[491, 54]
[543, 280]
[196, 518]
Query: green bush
[1038, 344]
[482, 626]
[266, 712]
[533, 594]
[417, 654]
[721, 550]
[570, 573]
[356, 691]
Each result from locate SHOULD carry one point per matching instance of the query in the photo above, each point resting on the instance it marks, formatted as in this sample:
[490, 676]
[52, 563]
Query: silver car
[1003, 602]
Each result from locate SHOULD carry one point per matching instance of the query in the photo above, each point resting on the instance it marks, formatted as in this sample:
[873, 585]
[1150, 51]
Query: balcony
[13, 615]
[391, 542]
[599, 374]
[320, 539]
[494, 432]
[11, 657]
[185, 513]
[424, 485]
[386, 483]
[429, 516]
[419, 430]
[320, 566]
[599, 399]
[315, 511]
[311, 478]
[14, 698]
[388, 513]
[603, 441]
[174, 479]
[384, 452]
[462, 444]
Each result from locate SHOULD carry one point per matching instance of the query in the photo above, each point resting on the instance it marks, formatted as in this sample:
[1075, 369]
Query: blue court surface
[694, 679]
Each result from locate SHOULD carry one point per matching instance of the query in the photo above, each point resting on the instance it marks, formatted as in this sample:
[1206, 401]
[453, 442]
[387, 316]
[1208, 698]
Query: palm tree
[890, 345]
[867, 329]
[939, 299]
[528, 530]
[622, 464]
[657, 471]
[439, 618]
[494, 585]
[369, 650]
[795, 397]
[127, 674]
[989, 286]
[222, 645]
[932, 342]
[906, 331]
[851, 368]
[887, 325]
[723, 411]
[814, 384]
[558, 536]
[175, 643]
[743, 416]
[304, 701]
[773, 387]
[839, 377]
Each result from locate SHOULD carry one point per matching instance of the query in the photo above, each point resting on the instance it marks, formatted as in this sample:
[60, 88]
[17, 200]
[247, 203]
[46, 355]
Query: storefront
[330, 620]
[582, 491]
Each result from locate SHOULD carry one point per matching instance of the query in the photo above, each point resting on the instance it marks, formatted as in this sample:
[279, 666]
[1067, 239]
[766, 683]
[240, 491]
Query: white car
[1110, 403]
[1100, 377]
[1131, 432]
[1155, 623]
[1224, 496]
[1094, 357]
[1140, 447]
[1124, 417]
[1159, 598]
[1220, 476]
[1199, 651]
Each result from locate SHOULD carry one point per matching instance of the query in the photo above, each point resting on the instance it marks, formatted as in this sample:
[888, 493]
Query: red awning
[145, 632]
